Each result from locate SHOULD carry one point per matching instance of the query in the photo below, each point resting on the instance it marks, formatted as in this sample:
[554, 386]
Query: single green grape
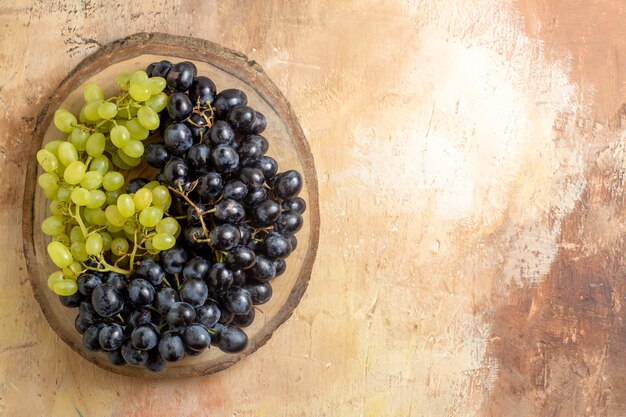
[81, 116]
[150, 216]
[96, 199]
[107, 110]
[136, 130]
[168, 226]
[129, 228]
[123, 81]
[63, 238]
[76, 234]
[95, 216]
[79, 252]
[128, 160]
[91, 180]
[114, 216]
[119, 162]
[53, 278]
[157, 102]
[74, 172]
[160, 195]
[47, 160]
[91, 110]
[57, 207]
[111, 196]
[48, 181]
[65, 287]
[78, 138]
[95, 144]
[94, 244]
[75, 268]
[142, 199]
[156, 84]
[53, 225]
[120, 136]
[139, 91]
[119, 246]
[92, 92]
[148, 118]
[50, 194]
[106, 240]
[125, 205]
[101, 164]
[151, 185]
[60, 254]
[138, 76]
[53, 146]
[162, 241]
[113, 181]
[64, 120]
[63, 193]
[67, 153]
[80, 196]
[133, 148]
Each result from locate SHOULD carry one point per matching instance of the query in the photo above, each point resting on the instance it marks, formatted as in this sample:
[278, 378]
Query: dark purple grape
[226, 316]
[181, 76]
[237, 300]
[246, 233]
[288, 223]
[196, 337]
[231, 339]
[240, 257]
[202, 91]
[177, 138]
[197, 268]
[90, 338]
[220, 277]
[176, 172]
[263, 269]
[296, 204]
[155, 362]
[159, 69]
[111, 336]
[156, 155]
[165, 298]
[288, 184]
[239, 277]
[224, 159]
[151, 271]
[267, 165]
[252, 177]
[135, 185]
[174, 259]
[88, 313]
[71, 301]
[192, 213]
[260, 292]
[197, 124]
[276, 246]
[106, 300]
[132, 355]
[140, 317]
[255, 197]
[244, 320]
[194, 292]
[209, 186]
[241, 118]
[141, 293]
[235, 190]
[198, 158]
[171, 346]
[192, 234]
[81, 324]
[115, 358]
[144, 337]
[117, 281]
[280, 266]
[224, 237]
[180, 315]
[208, 313]
[87, 282]
[260, 123]
[221, 134]
[293, 241]
[229, 211]
[266, 213]
[227, 99]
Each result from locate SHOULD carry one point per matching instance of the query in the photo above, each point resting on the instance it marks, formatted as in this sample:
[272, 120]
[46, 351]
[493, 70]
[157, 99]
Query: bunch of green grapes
[94, 225]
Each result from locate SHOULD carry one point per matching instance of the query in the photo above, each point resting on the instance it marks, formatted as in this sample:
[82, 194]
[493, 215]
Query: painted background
[471, 163]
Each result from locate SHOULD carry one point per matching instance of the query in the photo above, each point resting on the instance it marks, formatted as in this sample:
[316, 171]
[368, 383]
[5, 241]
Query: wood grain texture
[471, 176]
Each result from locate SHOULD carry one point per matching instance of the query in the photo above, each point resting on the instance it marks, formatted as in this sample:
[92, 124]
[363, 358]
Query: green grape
[156, 84]
[160, 195]
[149, 247]
[65, 287]
[91, 110]
[47, 160]
[76, 234]
[112, 196]
[106, 126]
[75, 269]
[139, 91]
[114, 216]
[96, 199]
[129, 229]
[92, 92]
[125, 205]
[106, 240]
[56, 207]
[74, 172]
[91, 180]
[63, 238]
[112, 181]
[168, 226]
[157, 102]
[81, 116]
[50, 194]
[138, 76]
[95, 144]
[148, 118]
[119, 246]
[123, 81]
[128, 160]
[142, 199]
[133, 148]
[119, 162]
[64, 120]
[67, 153]
[101, 164]
[151, 185]
[63, 193]
[150, 216]
[95, 216]
[107, 110]
[94, 244]
[120, 136]
[113, 229]
[162, 241]
[136, 130]
[53, 146]
[60, 254]
[53, 278]
[78, 138]
[48, 181]
[79, 252]
[53, 226]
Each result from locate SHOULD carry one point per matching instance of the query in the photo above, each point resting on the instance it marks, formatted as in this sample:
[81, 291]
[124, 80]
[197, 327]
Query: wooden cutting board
[470, 158]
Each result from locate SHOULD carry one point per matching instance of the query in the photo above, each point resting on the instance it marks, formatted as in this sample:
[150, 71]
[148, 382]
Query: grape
[148, 118]
[162, 241]
[78, 138]
[78, 251]
[160, 196]
[106, 240]
[157, 102]
[59, 254]
[67, 153]
[74, 172]
[64, 120]
[114, 216]
[95, 216]
[81, 196]
[133, 148]
[92, 92]
[53, 226]
[53, 146]
[125, 205]
[138, 76]
[101, 164]
[111, 196]
[56, 207]
[73, 270]
[113, 181]
[156, 84]
[202, 90]
[107, 110]
[119, 162]
[227, 99]
[144, 337]
[179, 106]
[53, 278]
[181, 76]
[95, 144]
[171, 346]
[150, 216]
[96, 199]
[48, 181]
[120, 136]
[93, 244]
[119, 246]
[142, 199]
[63, 193]
[91, 180]
[168, 225]
[65, 287]
[139, 91]
[50, 194]
[129, 161]
[76, 234]
[156, 155]
[47, 160]
[136, 130]
[90, 110]
[123, 81]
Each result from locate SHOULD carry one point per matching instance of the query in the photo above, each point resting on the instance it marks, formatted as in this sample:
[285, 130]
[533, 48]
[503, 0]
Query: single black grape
[178, 139]
[144, 337]
[224, 159]
[181, 76]
[260, 123]
[288, 184]
[229, 211]
[180, 315]
[293, 240]
[266, 213]
[220, 277]
[111, 336]
[141, 293]
[197, 268]
[88, 313]
[156, 155]
[241, 118]
[296, 204]
[255, 197]
[165, 298]
[159, 69]
[267, 165]
[194, 292]
[202, 91]
[90, 338]
[237, 300]
[174, 259]
[260, 292]
[197, 124]
[263, 269]
[276, 246]
[196, 337]
[87, 282]
[240, 257]
[139, 317]
[132, 355]
[71, 301]
[151, 271]
[135, 185]
[171, 346]
[224, 237]
[235, 190]
[244, 320]
[252, 177]
[280, 266]
[208, 313]
[117, 281]
[81, 324]
[198, 158]
[231, 339]
[288, 223]
[176, 172]
[155, 361]
[107, 300]
[221, 133]
[209, 186]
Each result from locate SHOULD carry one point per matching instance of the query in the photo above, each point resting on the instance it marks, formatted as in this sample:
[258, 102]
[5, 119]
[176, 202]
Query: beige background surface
[471, 167]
